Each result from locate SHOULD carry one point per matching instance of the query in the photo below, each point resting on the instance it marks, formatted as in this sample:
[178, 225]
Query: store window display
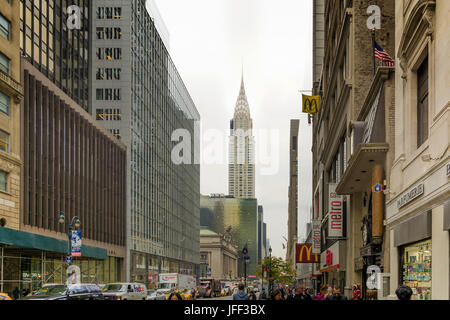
[416, 269]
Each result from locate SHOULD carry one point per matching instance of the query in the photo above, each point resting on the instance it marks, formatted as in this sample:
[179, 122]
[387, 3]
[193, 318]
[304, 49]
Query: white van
[125, 291]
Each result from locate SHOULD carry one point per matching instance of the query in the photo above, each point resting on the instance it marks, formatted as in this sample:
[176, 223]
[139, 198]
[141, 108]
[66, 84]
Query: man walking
[300, 295]
[337, 295]
[241, 295]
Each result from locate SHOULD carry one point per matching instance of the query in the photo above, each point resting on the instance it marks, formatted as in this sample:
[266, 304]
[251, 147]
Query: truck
[176, 281]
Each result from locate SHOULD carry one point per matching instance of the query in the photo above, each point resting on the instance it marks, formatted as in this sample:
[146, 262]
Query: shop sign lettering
[410, 195]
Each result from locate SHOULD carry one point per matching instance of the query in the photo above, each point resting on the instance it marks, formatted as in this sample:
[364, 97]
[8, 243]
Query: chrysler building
[241, 167]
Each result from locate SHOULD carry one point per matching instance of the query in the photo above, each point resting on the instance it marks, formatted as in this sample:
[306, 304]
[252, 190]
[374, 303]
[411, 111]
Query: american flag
[382, 55]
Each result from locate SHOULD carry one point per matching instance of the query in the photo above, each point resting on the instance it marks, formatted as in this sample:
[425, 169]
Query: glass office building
[60, 53]
[138, 95]
[218, 213]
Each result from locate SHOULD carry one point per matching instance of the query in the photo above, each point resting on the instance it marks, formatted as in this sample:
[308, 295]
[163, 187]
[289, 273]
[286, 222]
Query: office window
[117, 13]
[422, 103]
[100, 74]
[3, 181]
[4, 63]
[5, 27]
[4, 103]
[99, 94]
[100, 33]
[4, 141]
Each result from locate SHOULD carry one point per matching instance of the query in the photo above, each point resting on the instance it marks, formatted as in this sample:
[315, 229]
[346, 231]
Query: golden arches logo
[300, 254]
[310, 104]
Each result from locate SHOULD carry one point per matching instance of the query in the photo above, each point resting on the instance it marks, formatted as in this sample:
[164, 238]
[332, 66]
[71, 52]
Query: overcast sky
[209, 41]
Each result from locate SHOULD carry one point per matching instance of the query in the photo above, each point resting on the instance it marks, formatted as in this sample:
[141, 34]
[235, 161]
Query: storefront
[416, 268]
[332, 265]
[27, 261]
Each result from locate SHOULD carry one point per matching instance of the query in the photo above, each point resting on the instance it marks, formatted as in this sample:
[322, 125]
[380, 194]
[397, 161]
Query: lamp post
[75, 222]
[270, 269]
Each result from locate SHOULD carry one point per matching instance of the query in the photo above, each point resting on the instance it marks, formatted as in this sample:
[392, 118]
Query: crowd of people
[326, 292]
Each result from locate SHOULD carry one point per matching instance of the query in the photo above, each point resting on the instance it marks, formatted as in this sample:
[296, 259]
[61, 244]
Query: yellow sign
[310, 104]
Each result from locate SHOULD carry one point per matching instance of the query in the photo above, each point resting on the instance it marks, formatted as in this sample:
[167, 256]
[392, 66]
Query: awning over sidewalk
[358, 175]
[34, 241]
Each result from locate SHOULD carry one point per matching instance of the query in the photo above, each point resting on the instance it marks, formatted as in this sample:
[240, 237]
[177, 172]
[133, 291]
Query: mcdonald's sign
[304, 254]
[310, 104]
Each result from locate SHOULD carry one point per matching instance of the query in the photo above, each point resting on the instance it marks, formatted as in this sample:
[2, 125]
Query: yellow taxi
[186, 294]
[4, 296]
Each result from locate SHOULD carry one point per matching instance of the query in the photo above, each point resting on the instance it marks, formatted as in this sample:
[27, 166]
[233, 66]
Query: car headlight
[118, 298]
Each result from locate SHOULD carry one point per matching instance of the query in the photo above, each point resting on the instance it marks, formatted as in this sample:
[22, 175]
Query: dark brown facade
[71, 165]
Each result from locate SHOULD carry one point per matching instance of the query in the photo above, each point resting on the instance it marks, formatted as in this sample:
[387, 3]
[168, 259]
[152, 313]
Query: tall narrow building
[293, 194]
[241, 167]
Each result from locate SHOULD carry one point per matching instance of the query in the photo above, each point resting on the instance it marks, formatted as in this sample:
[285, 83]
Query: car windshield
[114, 288]
[51, 291]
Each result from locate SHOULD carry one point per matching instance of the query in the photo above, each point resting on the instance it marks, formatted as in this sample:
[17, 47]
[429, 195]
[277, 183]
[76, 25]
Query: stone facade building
[418, 209]
[218, 255]
[380, 143]
[11, 94]
[343, 169]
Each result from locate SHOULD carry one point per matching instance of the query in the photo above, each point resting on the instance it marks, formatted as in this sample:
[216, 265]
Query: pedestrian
[16, 293]
[276, 295]
[404, 293]
[300, 294]
[337, 295]
[322, 294]
[263, 295]
[252, 295]
[356, 292]
[175, 296]
[241, 295]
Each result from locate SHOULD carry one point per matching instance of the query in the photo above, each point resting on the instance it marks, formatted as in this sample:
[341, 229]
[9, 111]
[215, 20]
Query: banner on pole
[76, 243]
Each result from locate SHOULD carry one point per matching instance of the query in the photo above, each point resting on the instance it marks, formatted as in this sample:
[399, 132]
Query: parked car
[83, 291]
[4, 296]
[125, 291]
[156, 295]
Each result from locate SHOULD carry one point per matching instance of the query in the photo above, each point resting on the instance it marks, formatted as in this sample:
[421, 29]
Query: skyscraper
[139, 97]
[241, 167]
[293, 196]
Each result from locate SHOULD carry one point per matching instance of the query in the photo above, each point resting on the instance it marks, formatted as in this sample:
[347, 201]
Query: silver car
[157, 295]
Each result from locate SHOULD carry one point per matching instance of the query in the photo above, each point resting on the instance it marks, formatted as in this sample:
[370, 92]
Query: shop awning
[358, 175]
[34, 241]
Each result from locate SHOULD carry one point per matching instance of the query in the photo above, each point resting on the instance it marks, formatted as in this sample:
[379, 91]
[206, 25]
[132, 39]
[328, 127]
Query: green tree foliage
[278, 270]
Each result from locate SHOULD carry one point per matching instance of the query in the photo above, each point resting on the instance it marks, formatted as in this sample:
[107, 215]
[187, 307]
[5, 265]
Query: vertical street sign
[336, 213]
[76, 243]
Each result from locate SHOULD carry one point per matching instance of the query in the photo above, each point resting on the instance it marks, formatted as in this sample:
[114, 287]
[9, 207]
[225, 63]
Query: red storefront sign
[304, 253]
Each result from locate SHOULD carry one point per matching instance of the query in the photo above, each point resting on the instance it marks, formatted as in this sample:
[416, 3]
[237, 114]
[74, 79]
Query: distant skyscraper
[241, 167]
[293, 196]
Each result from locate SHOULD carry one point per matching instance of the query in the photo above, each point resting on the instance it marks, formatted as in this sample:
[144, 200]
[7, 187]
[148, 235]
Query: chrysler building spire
[241, 167]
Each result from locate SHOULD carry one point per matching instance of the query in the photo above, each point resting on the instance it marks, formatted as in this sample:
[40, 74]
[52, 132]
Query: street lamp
[75, 222]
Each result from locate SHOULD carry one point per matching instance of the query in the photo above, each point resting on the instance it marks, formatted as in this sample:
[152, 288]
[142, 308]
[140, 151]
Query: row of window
[109, 33]
[109, 13]
[108, 114]
[109, 53]
[5, 31]
[108, 94]
[115, 132]
[108, 73]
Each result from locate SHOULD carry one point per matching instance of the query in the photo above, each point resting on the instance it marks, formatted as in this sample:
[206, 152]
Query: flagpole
[373, 49]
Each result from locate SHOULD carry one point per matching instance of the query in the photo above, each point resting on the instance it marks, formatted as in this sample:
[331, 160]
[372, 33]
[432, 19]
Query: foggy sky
[209, 42]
